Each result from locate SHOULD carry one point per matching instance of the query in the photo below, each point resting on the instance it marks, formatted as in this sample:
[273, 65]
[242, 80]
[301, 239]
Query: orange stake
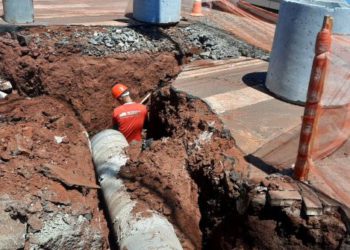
[312, 107]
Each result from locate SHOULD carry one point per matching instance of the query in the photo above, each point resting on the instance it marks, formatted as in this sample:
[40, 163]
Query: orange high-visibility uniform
[130, 118]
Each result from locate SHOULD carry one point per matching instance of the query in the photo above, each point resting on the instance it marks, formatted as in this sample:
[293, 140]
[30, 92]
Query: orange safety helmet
[118, 90]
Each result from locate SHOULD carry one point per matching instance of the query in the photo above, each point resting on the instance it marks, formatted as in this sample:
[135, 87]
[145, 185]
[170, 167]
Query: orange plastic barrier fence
[326, 120]
[258, 12]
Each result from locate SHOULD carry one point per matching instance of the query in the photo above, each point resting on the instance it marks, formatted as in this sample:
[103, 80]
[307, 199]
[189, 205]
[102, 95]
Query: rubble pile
[127, 40]
[218, 45]
[211, 43]
[296, 212]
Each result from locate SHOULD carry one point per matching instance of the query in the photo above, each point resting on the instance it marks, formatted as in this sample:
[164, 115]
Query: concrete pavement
[79, 12]
[265, 128]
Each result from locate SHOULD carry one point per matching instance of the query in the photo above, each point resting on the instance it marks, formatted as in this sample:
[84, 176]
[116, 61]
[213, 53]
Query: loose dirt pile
[193, 155]
[194, 174]
[48, 189]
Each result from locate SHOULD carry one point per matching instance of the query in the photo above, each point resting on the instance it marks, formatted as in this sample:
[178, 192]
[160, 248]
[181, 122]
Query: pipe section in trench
[133, 230]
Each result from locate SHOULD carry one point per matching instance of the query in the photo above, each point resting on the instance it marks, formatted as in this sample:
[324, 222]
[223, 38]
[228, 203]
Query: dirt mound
[47, 177]
[193, 152]
[180, 174]
[158, 177]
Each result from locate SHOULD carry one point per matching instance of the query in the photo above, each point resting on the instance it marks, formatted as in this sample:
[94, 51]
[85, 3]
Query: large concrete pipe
[18, 11]
[133, 230]
[157, 11]
[294, 43]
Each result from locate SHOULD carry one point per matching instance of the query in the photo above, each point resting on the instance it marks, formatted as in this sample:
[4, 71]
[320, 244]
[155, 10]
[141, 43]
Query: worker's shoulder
[130, 107]
[119, 109]
[137, 106]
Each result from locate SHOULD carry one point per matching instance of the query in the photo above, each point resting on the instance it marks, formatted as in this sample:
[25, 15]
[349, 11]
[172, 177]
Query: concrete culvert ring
[190, 172]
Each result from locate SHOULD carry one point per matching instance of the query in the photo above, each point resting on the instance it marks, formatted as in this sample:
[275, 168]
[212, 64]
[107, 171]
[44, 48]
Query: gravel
[217, 44]
[213, 46]
[125, 40]
[197, 40]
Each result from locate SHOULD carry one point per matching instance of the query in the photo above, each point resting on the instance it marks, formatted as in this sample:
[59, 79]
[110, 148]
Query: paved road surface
[79, 11]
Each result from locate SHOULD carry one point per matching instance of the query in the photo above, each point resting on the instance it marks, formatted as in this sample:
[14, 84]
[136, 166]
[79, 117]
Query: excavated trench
[189, 168]
[56, 77]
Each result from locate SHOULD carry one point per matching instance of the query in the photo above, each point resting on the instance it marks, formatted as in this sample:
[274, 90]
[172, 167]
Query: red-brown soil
[194, 153]
[80, 100]
[191, 154]
[41, 175]
[82, 81]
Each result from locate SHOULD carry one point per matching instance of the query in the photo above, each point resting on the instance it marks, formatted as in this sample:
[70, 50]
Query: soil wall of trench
[189, 170]
[48, 196]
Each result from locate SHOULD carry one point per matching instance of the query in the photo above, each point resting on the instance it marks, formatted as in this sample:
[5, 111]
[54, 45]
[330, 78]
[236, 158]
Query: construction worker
[128, 118]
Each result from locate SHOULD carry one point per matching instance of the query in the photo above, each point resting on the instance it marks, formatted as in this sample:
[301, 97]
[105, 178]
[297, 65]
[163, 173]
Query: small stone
[205, 54]
[6, 87]
[21, 145]
[35, 54]
[260, 189]
[166, 210]
[115, 37]
[12, 232]
[49, 207]
[258, 202]
[22, 170]
[93, 41]
[234, 176]
[59, 139]
[214, 57]
[24, 40]
[35, 223]
[35, 207]
[123, 37]
[88, 216]
[293, 215]
[130, 39]
[2, 95]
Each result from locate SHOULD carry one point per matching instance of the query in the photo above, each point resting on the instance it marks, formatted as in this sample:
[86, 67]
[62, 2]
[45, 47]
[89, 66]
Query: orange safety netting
[326, 121]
